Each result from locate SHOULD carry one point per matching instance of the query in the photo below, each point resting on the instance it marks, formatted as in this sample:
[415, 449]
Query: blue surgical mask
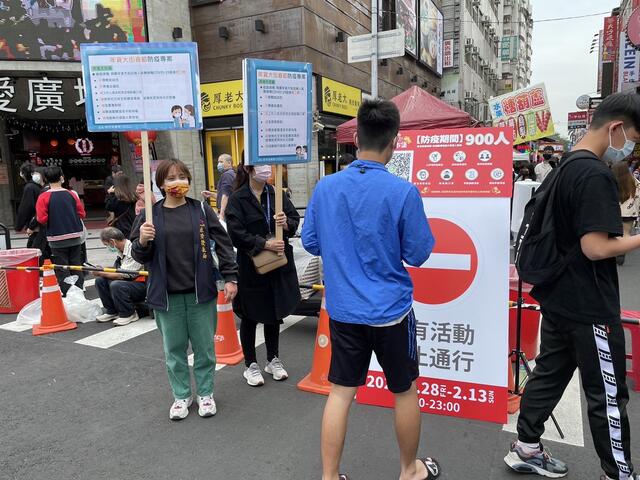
[113, 249]
[36, 177]
[616, 155]
[221, 167]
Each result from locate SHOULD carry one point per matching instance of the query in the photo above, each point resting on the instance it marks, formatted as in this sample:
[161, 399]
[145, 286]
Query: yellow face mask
[178, 188]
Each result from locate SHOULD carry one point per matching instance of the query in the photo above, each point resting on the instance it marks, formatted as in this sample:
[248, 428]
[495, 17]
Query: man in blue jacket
[365, 222]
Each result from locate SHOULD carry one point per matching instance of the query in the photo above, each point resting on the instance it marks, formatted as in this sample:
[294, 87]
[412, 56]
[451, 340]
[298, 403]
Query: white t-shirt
[542, 170]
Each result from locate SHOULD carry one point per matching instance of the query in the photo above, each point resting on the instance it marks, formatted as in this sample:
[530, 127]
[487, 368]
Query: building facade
[42, 111]
[310, 31]
[516, 45]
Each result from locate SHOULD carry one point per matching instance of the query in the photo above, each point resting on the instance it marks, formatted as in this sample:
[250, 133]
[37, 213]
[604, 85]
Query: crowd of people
[193, 252]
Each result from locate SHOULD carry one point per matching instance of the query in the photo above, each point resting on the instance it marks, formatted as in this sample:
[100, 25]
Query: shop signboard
[526, 110]
[509, 48]
[577, 120]
[460, 292]
[336, 97]
[54, 30]
[221, 98]
[147, 86]
[407, 19]
[277, 111]
[447, 53]
[629, 62]
[42, 97]
[610, 39]
[633, 28]
[431, 35]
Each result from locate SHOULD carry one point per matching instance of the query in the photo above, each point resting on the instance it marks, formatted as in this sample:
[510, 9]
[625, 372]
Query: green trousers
[184, 322]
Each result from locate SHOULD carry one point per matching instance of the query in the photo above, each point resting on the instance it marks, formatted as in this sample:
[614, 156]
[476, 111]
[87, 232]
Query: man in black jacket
[581, 325]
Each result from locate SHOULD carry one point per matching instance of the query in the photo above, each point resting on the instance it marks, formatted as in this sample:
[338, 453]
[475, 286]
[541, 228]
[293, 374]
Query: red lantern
[53, 143]
[136, 139]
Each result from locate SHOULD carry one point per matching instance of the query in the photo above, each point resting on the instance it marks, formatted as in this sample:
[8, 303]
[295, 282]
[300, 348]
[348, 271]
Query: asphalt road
[78, 411]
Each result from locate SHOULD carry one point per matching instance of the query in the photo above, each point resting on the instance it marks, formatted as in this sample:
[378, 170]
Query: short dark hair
[176, 107]
[116, 168]
[53, 174]
[162, 172]
[378, 124]
[26, 169]
[618, 106]
[548, 148]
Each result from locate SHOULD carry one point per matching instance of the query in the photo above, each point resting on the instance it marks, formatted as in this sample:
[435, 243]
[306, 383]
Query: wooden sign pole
[146, 175]
[279, 195]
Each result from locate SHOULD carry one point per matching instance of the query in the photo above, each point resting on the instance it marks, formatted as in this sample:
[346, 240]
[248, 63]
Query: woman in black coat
[30, 194]
[262, 298]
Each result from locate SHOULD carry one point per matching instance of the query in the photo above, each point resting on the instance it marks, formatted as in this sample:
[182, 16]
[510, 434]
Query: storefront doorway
[217, 142]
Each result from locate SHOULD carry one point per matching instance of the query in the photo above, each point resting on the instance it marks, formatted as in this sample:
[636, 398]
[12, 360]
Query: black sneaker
[540, 462]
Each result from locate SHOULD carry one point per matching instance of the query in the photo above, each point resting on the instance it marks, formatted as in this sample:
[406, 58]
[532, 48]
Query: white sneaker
[122, 321]
[253, 375]
[180, 408]
[207, 406]
[276, 368]
[106, 317]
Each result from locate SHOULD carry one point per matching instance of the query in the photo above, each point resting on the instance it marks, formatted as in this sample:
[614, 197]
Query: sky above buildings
[561, 57]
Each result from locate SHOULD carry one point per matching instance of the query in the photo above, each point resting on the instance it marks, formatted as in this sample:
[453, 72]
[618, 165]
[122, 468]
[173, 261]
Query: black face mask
[547, 156]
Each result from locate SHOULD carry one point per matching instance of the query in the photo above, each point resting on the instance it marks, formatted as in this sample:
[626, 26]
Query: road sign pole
[374, 48]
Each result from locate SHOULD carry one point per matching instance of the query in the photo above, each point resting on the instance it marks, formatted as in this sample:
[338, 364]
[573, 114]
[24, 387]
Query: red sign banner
[471, 162]
[610, 39]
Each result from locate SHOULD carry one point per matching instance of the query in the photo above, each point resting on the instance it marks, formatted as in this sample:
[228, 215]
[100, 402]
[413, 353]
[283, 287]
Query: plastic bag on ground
[30, 313]
[78, 308]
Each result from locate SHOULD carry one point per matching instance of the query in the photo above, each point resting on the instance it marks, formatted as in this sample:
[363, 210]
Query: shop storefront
[43, 120]
[222, 111]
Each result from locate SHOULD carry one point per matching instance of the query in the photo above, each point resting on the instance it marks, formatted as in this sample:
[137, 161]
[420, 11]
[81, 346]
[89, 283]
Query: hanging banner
[461, 292]
[526, 110]
[610, 39]
[277, 111]
[145, 86]
[447, 52]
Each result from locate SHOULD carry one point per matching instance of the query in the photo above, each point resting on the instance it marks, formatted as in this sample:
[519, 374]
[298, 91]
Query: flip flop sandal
[433, 468]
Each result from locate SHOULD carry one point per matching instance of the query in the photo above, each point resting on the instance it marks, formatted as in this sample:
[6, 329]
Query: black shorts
[395, 347]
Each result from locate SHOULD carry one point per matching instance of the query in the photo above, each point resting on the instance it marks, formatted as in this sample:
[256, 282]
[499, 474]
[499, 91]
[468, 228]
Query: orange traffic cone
[54, 317]
[317, 381]
[228, 350]
[513, 400]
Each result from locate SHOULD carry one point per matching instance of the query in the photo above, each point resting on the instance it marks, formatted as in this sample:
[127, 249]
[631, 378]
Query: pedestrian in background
[581, 325]
[366, 223]
[262, 298]
[115, 171]
[120, 292]
[121, 202]
[224, 189]
[182, 291]
[629, 197]
[30, 194]
[543, 168]
[62, 212]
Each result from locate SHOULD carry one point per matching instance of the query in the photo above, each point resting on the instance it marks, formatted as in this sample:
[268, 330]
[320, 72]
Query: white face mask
[262, 173]
[616, 155]
[36, 177]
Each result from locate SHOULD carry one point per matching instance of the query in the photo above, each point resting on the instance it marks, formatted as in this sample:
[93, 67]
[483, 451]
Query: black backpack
[537, 259]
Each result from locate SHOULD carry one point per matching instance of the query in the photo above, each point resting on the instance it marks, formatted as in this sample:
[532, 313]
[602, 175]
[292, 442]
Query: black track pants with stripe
[599, 353]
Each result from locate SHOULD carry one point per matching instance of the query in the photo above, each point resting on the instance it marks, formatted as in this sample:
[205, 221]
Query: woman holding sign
[176, 249]
[269, 296]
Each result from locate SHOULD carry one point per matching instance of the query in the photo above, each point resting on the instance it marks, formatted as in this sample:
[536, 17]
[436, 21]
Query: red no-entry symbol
[451, 268]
